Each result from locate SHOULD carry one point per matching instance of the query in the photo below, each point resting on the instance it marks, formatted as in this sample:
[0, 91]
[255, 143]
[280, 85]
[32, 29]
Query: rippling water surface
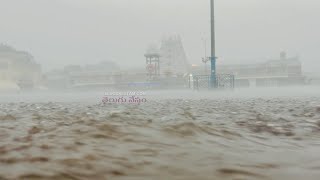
[190, 135]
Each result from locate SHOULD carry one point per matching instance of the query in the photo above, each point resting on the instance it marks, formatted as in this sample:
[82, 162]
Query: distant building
[75, 76]
[277, 72]
[173, 61]
[18, 68]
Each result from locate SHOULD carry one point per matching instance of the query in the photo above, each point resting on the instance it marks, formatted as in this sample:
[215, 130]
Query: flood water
[243, 134]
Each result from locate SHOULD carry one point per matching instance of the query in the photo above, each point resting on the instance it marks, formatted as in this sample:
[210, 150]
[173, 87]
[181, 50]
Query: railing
[223, 81]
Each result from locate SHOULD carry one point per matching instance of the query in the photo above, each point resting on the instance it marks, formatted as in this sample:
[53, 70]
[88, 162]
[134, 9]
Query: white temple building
[173, 61]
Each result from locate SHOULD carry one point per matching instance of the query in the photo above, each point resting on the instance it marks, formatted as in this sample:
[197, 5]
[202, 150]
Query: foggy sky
[61, 32]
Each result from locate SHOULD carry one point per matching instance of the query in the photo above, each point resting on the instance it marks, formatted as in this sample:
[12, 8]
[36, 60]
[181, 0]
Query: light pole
[205, 46]
[213, 77]
[205, 59]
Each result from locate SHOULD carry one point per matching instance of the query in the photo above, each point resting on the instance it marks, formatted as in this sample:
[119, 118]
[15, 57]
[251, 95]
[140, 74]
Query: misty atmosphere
[150, 89]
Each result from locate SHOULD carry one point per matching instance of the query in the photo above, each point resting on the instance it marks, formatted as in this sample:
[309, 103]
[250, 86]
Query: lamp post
[205, 59]
[213, 76]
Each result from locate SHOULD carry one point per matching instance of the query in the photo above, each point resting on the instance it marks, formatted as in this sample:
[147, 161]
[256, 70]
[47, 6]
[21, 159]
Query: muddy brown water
[219, 138]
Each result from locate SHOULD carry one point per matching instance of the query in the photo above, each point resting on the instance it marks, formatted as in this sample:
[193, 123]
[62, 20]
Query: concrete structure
[18, 69]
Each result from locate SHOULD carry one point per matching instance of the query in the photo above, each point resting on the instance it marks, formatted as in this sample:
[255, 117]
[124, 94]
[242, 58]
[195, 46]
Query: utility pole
[213, 77]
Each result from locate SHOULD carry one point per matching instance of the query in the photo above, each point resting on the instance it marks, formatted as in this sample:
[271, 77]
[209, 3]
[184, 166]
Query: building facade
[98, 75]
[19, 69]
[277, 72]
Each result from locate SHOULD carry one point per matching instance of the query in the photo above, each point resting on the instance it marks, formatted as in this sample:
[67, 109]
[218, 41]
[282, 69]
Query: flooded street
[159, 90]
[165, 138]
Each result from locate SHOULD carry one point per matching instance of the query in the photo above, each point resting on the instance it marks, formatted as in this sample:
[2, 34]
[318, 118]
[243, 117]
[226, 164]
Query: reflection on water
[218, 138]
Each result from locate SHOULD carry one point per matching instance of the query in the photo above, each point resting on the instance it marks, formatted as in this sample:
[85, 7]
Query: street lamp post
[213, 77]
[205, 59]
